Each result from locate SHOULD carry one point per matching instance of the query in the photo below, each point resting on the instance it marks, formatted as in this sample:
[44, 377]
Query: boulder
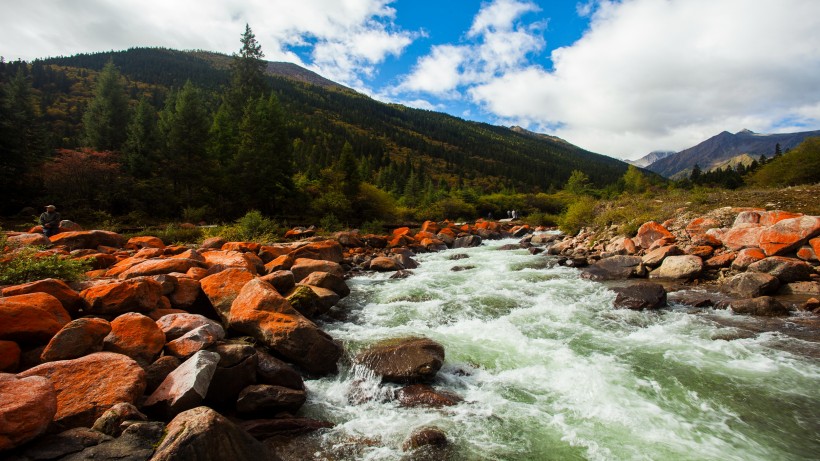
[185, 294]
[785, 269]
[744, 237]
[243, 247]
[136, 336]
[467, 241]
[327, 250]
[746, 217]
[770, 218]
[329, 281]
[752, 284]
[806, 253]
[77, 338]
[260, 399]
[144, 241]
[679, 267]
[195, 340]
[263, 429]
[9, 356]
[176, 325]
[746, 257]
[156, 373]
[60, 446]
[306, 301]
[282, 280]
[235, 371]
[303, 267]
[719, 261]
[119, 297]
[185, 387]
[275, 372]
[88, 386]
[615, 267]
[762, 306]
[384, 264]
[88, 239]
[222, 289]
[640, 296]
[136, 443]
[404, 360]
[221, 259]
[29, 239]
[423, 395]
[650, 232]
[71, 300]
[202, 434]
[801, 288]
[32, 318]
[27, 406]
[789, 234]
[656, 256]
[426, 437]
[110, 423]
[159, 266]
[699, 226]
[213, 243]
[260, 311]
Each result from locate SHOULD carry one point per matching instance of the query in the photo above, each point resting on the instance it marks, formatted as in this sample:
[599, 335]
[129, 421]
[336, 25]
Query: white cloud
[349, 37]
[655, 74]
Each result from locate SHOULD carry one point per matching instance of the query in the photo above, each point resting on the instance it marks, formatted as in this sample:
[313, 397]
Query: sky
[617, 77]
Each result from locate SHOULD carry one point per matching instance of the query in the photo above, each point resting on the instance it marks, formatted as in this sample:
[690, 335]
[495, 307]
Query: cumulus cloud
[667, 74]
[348, 38]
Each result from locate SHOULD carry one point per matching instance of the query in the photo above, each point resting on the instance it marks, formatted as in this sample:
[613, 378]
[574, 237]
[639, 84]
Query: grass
[27, 265]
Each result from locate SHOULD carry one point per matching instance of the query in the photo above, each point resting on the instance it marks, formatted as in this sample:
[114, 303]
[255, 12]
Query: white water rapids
[549, 370]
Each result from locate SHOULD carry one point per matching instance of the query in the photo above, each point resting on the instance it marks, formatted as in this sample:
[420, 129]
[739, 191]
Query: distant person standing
[50, 220]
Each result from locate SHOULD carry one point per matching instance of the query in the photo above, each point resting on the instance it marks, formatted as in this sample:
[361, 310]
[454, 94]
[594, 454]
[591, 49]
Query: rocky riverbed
[163, 347]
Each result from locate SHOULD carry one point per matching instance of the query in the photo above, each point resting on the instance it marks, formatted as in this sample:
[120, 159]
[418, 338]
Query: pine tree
[696, 174]
[142, 143]
[248, 72]
[106, 118]
[348, 169]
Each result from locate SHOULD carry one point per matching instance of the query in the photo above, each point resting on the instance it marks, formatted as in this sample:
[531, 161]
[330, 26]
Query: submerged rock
[640, 296]
[404, 360]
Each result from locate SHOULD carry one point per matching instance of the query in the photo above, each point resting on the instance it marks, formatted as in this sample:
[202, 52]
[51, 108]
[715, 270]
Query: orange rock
[701, 225]
[283, 262]
[431, 227]
[270, 252]
[213, 242]
[743, 237]
[704, 251]
[31, 318]
[185, 293]
[746, 257]
[9, 356]
[132, 295]
[448, 231]
[770, 218]
[260, 311]
[629, 246]
[716, 262]
[27, 406]
[789, 234]
[188, 253]
[197, 273]
[303, 267]
[99, 261]
[424, 235]
[243, 247]
[806, 253]
[223, 287]
[649, 232]
[149, 253]
[400, 241]
[70, 299]
[88, 386]
[228, 259]
[327, 250]
[136, 336]
[706, 239]
[77, 338]
[123, 265]
[482, 225]
[815, 245]
[158, 266]
[88, 239]
[29, 239]
[145, 241]
[401, 231]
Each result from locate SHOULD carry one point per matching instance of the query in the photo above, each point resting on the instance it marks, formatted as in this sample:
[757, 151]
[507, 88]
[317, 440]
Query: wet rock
[136, 443]
[752, 284]
[262, 429]
[467, 241]
[136, 336]
[763, 306]
[328, 281]
[260, 311]
[615, 267]
[260, 399]
[9, 356]
[222, 289]
[88, 386]
[27, 406]
[110, 423]
[402, 274]
[72, 302]
[692, 299]
[404, 360]
[423, 395]
[185, 387]
[115, 298]
[785, 269]
[77, 338]
[275, 372]
[510, 246]
[679, 267]
[202, 434]
[425, 437]
[640, 296]
[384, 264]
[32, 318]
[156, 373]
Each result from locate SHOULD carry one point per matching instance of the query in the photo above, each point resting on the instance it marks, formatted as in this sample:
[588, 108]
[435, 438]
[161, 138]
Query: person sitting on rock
[50, 220]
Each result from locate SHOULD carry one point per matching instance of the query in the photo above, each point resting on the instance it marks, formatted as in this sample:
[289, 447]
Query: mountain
[651, 158]
[724, 146]
[324, 114]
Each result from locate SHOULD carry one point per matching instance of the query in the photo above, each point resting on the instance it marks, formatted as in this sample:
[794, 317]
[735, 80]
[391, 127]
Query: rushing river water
[550, 371]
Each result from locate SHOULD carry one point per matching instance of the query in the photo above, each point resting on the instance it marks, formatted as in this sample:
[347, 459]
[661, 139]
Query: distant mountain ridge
[651, 158]
[725, 146]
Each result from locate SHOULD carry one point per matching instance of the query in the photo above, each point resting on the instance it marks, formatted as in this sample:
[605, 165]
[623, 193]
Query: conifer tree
[247, 72]
[106, 118]
[142, 142]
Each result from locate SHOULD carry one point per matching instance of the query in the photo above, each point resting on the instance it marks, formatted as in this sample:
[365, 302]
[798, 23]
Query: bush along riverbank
[200, 352]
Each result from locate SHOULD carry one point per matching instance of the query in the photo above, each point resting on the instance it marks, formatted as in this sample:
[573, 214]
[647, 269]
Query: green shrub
[330, 223]
[26, 266]
[175, 234]
[579, 214]
[542, 219]
[375, 226]
[256, 226]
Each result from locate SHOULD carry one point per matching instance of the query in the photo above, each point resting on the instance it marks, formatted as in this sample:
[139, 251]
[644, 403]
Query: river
[550, 371]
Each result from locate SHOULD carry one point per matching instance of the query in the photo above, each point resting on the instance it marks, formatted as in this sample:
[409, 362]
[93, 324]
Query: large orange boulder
[770, 218]
[9, 355]
[26, 408]
[89, 239]
[738, 238]
[185, 293]
[431, 227]
[270, 252]
[789, 234]
[159, 266]
[136, 336]
[242, 247]
[31, 318]
[70, 299]
[747, 256]
[119, 297]
[384, 264]
[78, 338]
[222, 289]
[305, 266]
[650, 232]
[228, 259]
[260, 311]
[88, 386]
[29, 239]
[328, 250]
[699, 226]
[144, 241]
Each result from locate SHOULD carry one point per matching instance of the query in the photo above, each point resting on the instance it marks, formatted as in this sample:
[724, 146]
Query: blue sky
[618, 77]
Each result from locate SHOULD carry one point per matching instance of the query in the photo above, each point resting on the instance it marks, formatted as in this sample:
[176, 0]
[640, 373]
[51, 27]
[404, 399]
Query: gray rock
[176, 325]
[763, 306]
[235, 371]
[752, 284]
[679, 267]
[640, 296]
[467, 241]
[275, 372]
[136, 444]
[801, 288]
[787, 270]
[156, 373]
[65, 443]
[615, 267]
[260, 399]
[186, 386]
[110, 423]
[404, 360]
